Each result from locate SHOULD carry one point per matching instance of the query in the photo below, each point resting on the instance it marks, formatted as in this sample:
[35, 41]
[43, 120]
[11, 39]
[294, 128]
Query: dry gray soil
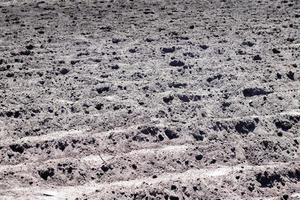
[136, 99]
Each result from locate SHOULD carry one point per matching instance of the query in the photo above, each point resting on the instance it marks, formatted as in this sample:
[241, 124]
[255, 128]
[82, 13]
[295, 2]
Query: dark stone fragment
[17, 114]
[204, 46]
[171, 134]
[64, 71]
[168, 99]
[294, 175]
[199, 136]
[199, 157]
[184, 98]
[210, 79]
[290, 75]
[183, 38]
[62, 145]
[134, 166]
[268, 180]
[26, 146]
[10, 74]
[29, 47]
[149, 40]
[115, 40]
[257, 57]
[148, 12]
[240, 52]
[150, 130]
[178, 85]
[276, 51]
[9, 113]
[25, 53]
[285, 197]
[196, 98]
[176, 63]
[73, 62]
[102, 89]
[248, 43]
[104, 168]
[132, 50]
[168, 49]
[44, 174]
[283, 125]
[115, 67]
[251, 187]
[278, 76]
[245, 127]
[225, 105]
[249, 92]
[99, 106]
[160, 137]
[106, 28]
[2, 61]
[174, 198]
[17, 148]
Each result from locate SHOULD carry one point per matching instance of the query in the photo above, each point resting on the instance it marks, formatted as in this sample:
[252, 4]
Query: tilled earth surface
[149, 99]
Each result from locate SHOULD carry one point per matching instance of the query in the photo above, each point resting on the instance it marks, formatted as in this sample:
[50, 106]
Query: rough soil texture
[149, 99]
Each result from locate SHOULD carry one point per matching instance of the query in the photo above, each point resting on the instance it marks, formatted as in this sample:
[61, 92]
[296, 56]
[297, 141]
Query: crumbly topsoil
[133, 99]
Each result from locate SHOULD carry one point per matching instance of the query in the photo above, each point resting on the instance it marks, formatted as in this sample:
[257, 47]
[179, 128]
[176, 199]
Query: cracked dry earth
[149, 99]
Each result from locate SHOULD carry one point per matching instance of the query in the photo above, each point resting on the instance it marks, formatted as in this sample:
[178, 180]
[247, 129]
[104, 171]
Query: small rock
[276, 51]
[248, 43]
[257, 57]
[115, 40]
[29, 47]
[268, 180]
[184, 98]
[64, 71]
[284, 125]
[25, 53]
[218, 77]
[10, 74]
[204, 47]
[291, 75]
[249, 92]
[171, 134]
[168, 50]
[115, 67]
[174, 198]
[102, 89]
[199, 135]
[245, 127]
[199, 157]
[17, 148]
[99, 106]
[104, 168]
[132, 50]
[176, 63]
[44, 174]
[150, 130]
[168, 99]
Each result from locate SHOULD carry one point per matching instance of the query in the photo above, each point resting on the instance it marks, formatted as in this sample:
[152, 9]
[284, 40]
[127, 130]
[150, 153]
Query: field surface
[136, 99]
